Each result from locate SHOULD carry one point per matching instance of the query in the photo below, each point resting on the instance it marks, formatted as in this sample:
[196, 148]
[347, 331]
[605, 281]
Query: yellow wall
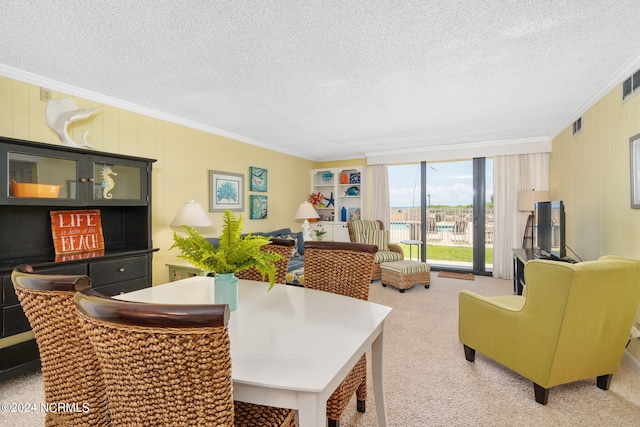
[591, 174]
[184, 157]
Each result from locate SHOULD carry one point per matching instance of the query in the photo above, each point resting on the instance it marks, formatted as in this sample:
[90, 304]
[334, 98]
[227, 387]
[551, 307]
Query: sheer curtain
[380, 208]
[512, 174]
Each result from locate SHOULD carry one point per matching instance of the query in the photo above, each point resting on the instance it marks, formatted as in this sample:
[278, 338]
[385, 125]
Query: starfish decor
[330, 200]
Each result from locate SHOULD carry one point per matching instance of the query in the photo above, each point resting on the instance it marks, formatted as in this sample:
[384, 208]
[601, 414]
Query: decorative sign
[259, 178]
[77, 231]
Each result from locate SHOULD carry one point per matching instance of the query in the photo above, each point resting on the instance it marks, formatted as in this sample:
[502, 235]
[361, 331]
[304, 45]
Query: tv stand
[547, 257]
[520, 258]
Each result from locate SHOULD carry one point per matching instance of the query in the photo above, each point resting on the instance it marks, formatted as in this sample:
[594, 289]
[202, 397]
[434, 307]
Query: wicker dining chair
[283, 247]
[168, 365]
[70, 368]
[345, 269]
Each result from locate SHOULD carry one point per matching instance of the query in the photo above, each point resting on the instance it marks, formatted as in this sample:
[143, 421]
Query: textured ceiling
[334, 79]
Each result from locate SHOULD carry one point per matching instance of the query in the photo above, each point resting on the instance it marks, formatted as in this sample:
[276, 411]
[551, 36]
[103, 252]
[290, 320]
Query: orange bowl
[35, 190]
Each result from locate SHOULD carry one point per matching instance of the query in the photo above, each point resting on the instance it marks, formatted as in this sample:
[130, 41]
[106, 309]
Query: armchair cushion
[380, 238]
[388, 256]
[369, 230]
[360, 228]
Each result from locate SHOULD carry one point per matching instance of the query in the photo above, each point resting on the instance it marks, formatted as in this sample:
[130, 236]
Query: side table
[520, 258]
[411, 243]
[181, 270]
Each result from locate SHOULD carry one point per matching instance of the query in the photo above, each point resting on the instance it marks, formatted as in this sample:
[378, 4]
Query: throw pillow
[361, 227]
[294, 237]
[300, 246]
[380, 238]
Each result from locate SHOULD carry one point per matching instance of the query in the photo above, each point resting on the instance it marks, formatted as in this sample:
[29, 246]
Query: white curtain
[510, 175]
[380, 208]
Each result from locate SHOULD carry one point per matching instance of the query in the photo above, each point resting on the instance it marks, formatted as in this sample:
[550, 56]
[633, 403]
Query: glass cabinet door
[40, 177]
[118, 180]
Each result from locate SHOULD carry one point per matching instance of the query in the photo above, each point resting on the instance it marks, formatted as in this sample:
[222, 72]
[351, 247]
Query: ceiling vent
[630, 86]
[577, 126]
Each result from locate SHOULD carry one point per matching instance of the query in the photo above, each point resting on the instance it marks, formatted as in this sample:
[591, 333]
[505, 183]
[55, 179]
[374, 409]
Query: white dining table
[290, 346]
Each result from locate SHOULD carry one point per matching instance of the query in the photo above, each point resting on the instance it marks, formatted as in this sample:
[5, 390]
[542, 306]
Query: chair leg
[333, 423]
[604, 381]
[542, 394]
[469, 353]
[361, 396]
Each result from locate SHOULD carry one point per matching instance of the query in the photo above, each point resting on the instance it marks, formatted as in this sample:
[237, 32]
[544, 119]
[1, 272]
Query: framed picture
[353, 214]
[227, 191]
[258, 179]
[258, 207]
[634, 143]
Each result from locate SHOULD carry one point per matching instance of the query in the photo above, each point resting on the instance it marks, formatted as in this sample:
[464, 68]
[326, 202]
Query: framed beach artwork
[353, 214]
[259, 205]
[227, 191]
[258, 179]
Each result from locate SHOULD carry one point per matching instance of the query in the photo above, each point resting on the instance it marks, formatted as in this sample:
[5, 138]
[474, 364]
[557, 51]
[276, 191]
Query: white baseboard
[635, 363]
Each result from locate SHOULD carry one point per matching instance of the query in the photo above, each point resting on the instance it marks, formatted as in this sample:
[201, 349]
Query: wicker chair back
[345, 269]
[70, 368]
[173, 361]
[283, 247]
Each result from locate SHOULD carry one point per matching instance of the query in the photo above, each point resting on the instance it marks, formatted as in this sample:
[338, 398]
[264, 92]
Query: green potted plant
[234, 254]
[319, 233]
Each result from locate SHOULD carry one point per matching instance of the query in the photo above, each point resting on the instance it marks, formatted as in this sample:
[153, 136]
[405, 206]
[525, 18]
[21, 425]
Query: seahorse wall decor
[60, 113]
[107, 182]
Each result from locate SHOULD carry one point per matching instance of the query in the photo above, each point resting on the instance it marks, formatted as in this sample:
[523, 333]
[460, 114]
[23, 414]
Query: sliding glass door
[448, 206]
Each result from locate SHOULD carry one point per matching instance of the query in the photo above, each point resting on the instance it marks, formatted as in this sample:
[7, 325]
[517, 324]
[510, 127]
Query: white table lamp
[192, 214]
[306, 211]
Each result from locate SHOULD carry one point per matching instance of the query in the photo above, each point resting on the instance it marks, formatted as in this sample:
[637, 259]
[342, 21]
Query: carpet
[460, 276]
[428, 381]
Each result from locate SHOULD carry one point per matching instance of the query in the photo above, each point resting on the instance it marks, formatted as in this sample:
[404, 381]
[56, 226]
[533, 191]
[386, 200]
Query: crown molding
[37, 80]
[616, 79]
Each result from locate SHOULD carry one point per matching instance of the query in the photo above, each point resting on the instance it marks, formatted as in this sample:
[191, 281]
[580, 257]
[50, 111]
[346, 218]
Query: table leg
[377, 371]
[312, 411]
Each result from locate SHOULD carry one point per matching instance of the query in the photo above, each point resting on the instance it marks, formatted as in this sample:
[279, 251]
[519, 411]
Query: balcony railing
[445, 226]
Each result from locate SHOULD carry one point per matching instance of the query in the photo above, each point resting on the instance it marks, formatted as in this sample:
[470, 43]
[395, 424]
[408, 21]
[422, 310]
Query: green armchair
[573, 322]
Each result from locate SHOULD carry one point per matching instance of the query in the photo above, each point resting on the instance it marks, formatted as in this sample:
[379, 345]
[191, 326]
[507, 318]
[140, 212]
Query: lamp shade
[528, 198]
[306, 211]
[192, 214]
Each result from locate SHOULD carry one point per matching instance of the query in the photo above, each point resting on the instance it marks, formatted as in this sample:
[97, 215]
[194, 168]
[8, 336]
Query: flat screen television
[549, 230]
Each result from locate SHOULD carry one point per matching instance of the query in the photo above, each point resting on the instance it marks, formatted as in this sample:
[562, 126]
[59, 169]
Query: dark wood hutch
[76, 175]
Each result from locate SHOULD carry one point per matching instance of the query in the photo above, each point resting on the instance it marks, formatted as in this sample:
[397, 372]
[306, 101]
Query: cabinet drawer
[8, 294]
[14, 321]
[118, 270]
[123, 287]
